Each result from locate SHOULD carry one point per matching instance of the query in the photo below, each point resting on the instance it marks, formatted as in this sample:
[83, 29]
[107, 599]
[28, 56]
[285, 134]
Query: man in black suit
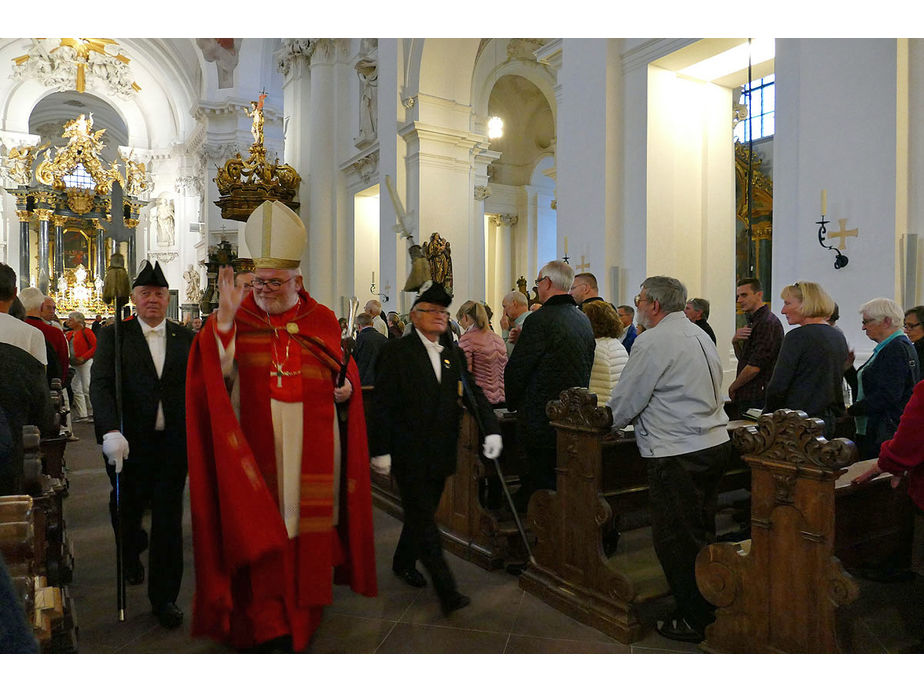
[369, 342]
[421, 384]
[150, 448]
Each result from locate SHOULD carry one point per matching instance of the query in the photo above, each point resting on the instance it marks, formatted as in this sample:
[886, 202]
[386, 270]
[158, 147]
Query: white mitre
[276, 236]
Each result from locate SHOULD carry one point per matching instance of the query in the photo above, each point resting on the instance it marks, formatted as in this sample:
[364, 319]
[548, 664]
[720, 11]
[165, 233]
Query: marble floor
[502, 618]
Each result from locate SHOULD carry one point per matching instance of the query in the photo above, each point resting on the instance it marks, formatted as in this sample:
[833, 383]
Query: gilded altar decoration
[65, 204]
[82, 149]
[243, 185]
[761, 194]
[19, 162]
[70, 63]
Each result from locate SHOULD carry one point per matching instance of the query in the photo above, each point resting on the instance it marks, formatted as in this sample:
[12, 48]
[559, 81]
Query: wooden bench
[780, 591]
[600, 483]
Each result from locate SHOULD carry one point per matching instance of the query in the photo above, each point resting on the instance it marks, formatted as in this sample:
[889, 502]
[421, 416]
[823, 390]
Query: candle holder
[382, 296]
[840, 260]
[566, 258]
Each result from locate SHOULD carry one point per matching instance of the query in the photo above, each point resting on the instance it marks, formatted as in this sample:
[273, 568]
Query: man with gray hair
[555, 351]
[697, 310]
[374, 308]
[671, 391]
[516, 310]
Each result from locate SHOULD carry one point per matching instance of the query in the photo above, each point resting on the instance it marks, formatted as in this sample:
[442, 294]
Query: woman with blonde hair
[809, 370]
[610, 355]
[484, 350]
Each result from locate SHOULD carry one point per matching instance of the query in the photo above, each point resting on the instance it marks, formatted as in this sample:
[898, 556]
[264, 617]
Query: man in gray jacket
[671, 390]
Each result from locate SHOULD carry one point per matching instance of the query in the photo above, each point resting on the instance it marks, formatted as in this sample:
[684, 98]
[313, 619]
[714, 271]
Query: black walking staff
[117, 287]
[476, 412]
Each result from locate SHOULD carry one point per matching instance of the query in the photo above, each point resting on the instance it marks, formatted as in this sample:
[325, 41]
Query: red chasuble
[253, 583]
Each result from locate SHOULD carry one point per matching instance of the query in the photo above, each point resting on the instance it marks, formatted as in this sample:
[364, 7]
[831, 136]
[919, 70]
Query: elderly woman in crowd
[914, 330]
[484, 350]
[82, 346]
[886, 380]
[610, 355]
[809, 370]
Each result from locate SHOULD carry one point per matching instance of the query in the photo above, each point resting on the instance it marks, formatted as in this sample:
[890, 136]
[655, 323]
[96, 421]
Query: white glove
[115, 448]
[381, 464]
[492, 446]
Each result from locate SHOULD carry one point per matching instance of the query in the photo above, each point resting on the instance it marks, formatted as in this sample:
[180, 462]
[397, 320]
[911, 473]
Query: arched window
[79, 178]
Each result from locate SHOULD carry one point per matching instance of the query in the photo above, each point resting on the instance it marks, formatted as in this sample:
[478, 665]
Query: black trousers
[153, 478]
[683, 491]
[420, 536]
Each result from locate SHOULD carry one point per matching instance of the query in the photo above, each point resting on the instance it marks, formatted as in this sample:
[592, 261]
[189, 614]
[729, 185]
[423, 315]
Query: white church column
[839, 128]
[503, 281]
[587, 155]
[440, 183]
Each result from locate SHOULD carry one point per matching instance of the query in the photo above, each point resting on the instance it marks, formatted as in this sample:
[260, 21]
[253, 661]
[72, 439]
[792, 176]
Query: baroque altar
[64, 204]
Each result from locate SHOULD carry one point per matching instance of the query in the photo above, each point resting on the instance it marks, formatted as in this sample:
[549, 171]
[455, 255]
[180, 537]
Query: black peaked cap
[431, 292]
[151, 275]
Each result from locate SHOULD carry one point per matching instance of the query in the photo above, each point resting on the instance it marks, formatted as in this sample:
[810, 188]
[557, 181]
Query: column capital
[59, 219]
[294, 55]
[44, 214]
[24, 215]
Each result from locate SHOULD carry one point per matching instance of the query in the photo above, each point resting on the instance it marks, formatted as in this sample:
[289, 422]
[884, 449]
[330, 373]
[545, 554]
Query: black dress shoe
[168, 615]
[134, 572]
[454, 602]
[412, 576]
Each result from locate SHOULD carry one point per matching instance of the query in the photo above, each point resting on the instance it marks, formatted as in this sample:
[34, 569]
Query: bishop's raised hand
[229, 298]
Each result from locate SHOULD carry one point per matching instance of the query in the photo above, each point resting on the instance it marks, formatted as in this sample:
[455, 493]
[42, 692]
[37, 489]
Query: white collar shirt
[434, 349]
[156, 337]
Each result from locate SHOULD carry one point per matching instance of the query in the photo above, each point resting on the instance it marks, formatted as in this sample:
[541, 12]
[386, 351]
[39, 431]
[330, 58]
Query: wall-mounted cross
[584, 266]
[842, 234]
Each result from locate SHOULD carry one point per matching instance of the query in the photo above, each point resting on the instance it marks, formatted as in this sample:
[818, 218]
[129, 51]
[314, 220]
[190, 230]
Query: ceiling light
[495, 128]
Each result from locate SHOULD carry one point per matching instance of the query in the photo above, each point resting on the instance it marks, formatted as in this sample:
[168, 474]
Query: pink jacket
[486, 356]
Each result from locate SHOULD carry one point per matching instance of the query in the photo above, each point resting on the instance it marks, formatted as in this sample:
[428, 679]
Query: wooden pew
[780, 591]
[602, 486]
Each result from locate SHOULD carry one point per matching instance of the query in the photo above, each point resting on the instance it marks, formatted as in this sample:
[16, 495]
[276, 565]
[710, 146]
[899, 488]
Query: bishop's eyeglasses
[273, 284]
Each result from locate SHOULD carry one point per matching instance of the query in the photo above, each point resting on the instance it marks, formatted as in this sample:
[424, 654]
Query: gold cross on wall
[842, 234]
[584, 266]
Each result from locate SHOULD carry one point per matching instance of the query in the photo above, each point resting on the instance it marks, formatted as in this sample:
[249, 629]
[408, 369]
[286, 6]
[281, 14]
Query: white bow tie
[435, 346]
[156, 331]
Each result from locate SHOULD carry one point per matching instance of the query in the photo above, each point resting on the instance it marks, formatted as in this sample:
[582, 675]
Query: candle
[824, 202]
[373, 277]
[566, 245]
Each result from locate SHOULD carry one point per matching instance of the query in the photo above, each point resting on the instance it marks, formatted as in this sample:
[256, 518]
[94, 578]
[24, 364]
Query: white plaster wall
[836, 130]
[691, 192]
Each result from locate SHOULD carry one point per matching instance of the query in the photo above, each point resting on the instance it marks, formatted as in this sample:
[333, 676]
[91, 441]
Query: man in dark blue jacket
[555, 351]
[369, 342]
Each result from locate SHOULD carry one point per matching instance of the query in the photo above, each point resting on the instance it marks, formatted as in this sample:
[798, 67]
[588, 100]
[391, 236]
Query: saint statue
[367, 70]
[256, 114]
[162, 218]
[193, 292]
[439, 257]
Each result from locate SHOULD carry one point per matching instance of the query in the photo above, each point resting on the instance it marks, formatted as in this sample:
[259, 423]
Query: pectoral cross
[843, 233]
[583, 266]
[279, 373]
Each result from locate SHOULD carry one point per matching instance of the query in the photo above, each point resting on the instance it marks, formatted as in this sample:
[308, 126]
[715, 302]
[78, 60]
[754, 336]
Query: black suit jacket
[141, 388]
[369, 343]
[416, 418]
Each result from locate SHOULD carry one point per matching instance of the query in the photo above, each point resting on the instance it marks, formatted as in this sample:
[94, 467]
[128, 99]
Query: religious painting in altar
[754, 213]
[76, 248]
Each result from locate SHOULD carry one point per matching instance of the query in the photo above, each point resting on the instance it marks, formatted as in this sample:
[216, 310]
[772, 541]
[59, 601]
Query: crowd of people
[233, 399]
